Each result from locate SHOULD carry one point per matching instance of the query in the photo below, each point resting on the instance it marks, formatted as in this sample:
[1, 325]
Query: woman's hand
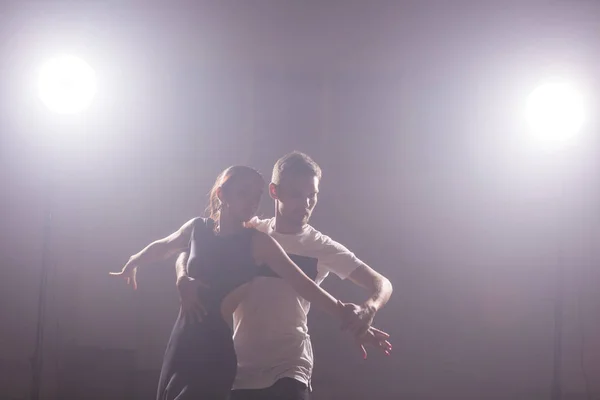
[128, 272]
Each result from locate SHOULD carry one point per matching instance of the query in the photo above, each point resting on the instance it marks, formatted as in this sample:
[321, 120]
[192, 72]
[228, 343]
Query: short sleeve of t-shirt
[336, 258]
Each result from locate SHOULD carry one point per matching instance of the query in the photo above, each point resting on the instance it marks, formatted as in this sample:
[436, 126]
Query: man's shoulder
[326, 244]
[316, 236]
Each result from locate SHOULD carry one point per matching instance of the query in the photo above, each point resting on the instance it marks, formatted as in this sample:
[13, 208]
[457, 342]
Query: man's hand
[357, 318]
[128, 272]
[376, 338]
[191, 307]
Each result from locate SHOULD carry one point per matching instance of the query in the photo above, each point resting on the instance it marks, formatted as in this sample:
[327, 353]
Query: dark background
[414, 110]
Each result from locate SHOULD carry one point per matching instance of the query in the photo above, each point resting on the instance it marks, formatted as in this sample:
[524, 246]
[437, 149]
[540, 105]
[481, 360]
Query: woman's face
[242, 196]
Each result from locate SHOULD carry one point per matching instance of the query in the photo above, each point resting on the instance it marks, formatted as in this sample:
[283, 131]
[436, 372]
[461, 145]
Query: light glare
[66, 84]
[555, 113]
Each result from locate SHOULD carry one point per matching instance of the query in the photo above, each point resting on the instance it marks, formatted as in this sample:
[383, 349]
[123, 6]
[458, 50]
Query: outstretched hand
[375, 338]
[128, 272]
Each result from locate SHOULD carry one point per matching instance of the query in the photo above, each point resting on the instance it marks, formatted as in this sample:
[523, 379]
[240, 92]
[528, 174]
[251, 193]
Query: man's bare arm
[379, 287]
[191, 307]
[181, 265]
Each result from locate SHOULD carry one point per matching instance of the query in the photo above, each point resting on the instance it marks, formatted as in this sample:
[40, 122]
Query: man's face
[297, 197]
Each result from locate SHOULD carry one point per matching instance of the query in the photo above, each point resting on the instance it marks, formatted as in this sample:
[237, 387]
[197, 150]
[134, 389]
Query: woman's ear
[273, 191]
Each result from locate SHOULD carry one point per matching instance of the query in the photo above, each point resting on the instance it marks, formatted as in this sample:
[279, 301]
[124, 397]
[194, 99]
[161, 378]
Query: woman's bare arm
[269, 252]
[156, 251]
[164, 248]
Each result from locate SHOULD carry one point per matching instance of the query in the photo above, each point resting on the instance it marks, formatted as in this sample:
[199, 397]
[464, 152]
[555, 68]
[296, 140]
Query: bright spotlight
[555, 113]
[66, 84]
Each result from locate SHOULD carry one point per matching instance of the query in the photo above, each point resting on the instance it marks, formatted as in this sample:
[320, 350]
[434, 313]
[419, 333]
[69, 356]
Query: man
[273, 348]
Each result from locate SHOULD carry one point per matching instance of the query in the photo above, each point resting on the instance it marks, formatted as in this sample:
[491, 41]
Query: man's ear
[273, 191]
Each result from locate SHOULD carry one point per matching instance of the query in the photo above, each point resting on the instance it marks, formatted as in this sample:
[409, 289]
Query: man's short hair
[295, 163]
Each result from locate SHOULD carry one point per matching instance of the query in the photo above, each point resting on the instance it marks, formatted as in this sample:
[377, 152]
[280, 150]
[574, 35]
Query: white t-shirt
[270, 332]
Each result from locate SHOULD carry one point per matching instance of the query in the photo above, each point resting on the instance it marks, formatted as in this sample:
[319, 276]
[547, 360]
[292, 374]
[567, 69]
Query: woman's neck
[227, 226]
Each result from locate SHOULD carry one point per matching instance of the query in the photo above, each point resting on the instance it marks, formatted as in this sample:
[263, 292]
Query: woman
[200, 360]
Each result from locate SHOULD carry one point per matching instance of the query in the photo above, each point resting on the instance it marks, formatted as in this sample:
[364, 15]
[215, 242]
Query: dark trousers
[283, 389]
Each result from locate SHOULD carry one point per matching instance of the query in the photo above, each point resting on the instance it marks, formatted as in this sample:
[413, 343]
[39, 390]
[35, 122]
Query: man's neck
[285, 228]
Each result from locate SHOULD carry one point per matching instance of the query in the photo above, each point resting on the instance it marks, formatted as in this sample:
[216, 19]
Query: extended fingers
[193, 309]
[199, 310]
[386, 347]
[379, 333]
[191, 314]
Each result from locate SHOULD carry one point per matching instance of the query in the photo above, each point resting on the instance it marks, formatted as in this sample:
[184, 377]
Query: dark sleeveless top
[200, 360]
[221, 262]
